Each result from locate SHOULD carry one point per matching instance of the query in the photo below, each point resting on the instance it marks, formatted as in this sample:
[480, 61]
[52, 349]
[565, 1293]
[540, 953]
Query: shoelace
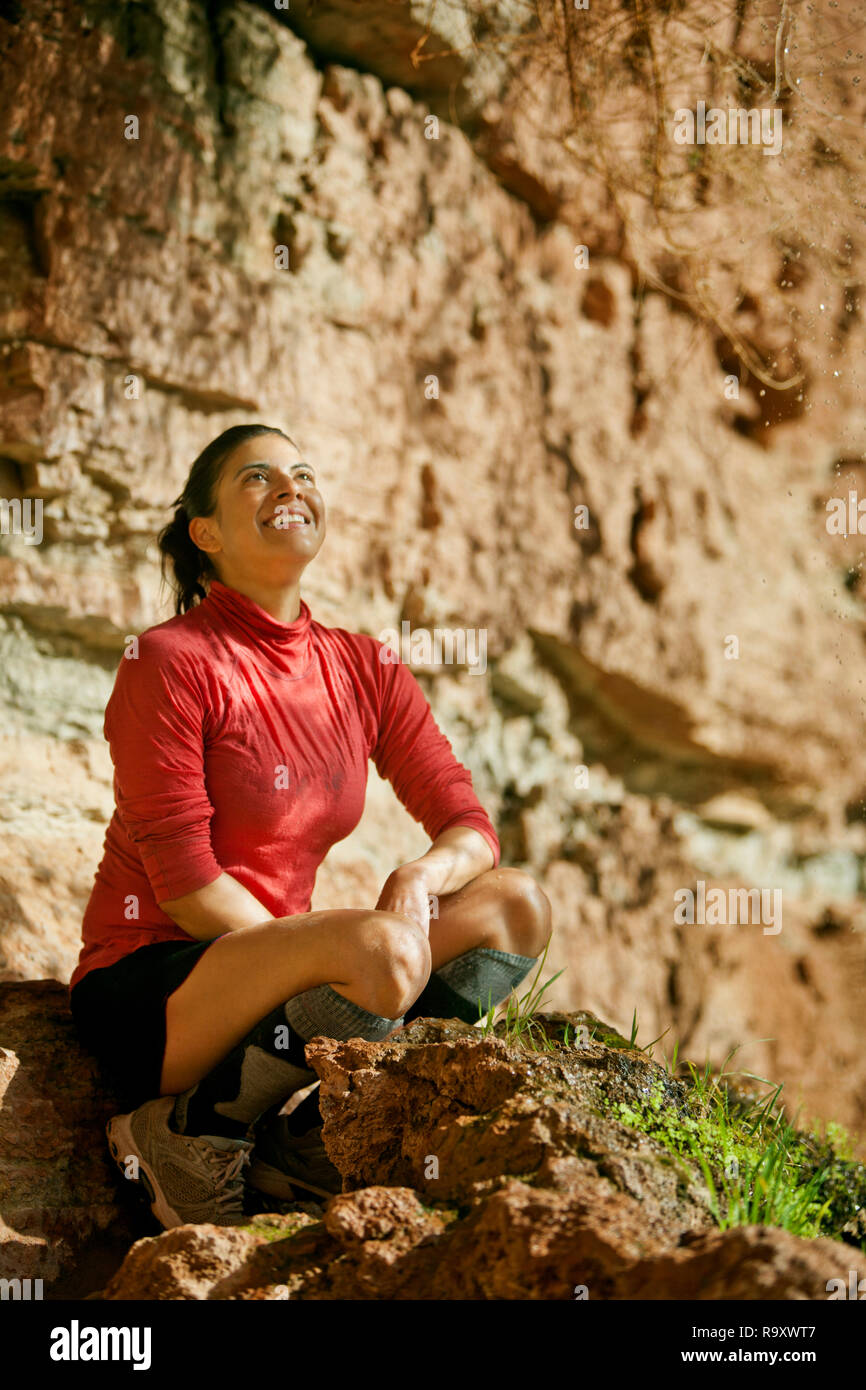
[229, 1179]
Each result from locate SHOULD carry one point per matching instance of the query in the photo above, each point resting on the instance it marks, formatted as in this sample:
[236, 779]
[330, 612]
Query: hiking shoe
[282, 1161]
[188, 1178]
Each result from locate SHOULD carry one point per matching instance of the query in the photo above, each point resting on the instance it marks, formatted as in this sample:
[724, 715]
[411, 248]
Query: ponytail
[189, 565]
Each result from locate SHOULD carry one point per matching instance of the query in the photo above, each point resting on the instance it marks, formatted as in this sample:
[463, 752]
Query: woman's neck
[282, 602]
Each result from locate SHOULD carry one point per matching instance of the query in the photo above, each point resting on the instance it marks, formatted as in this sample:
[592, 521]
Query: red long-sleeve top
[240, 745]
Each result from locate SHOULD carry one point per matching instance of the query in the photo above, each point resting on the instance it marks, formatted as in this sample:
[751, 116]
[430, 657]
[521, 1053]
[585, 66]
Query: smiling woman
[241, 733]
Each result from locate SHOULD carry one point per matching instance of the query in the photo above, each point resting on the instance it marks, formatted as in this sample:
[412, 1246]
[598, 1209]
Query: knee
[396, 964]
[527, 911]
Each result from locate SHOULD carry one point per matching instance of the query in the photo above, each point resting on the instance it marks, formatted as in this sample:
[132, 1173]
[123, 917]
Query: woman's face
[269, 521]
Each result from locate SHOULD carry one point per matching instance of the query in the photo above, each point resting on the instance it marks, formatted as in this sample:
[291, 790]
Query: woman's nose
[291, 488]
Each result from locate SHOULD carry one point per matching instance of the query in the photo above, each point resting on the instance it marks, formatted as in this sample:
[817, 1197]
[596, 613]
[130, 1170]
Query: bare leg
[378, 960]
[502, 909]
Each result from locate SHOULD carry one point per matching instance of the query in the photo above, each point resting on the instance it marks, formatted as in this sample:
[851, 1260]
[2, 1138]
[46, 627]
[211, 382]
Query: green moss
[446, 1214]
[608, 1037]
[283, 1228]
[757, 1167]
[839, 1141]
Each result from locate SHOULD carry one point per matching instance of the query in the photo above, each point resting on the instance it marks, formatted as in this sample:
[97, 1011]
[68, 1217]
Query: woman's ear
[201, 531]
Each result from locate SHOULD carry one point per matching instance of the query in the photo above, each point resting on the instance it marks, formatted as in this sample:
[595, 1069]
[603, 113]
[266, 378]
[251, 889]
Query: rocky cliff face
[513, 437]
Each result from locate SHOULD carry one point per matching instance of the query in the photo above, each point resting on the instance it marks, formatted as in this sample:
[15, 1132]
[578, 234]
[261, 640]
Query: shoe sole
[124, 1147]
[273, 1183]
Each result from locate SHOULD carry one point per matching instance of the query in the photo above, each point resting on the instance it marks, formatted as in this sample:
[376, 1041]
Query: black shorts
[119, 1014]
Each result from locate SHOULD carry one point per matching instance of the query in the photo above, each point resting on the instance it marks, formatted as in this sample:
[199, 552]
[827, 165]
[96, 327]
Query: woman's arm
[222, 906]
[455, 857]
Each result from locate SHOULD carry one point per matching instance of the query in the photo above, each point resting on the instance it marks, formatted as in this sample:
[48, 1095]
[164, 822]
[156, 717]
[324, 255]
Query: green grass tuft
[757, 1167]
[520, 1024]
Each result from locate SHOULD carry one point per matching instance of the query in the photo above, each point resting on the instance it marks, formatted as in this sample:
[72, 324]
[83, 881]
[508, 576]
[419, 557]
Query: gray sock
[482, 975]
[322, 1011]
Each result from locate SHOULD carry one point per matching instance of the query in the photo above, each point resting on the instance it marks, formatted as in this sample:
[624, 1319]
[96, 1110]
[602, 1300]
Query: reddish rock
[599, 1210]
[187, 1262]
[748, 1262]
[64, 1220]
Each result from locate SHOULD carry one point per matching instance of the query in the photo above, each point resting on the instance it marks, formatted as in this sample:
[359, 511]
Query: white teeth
[293, 516]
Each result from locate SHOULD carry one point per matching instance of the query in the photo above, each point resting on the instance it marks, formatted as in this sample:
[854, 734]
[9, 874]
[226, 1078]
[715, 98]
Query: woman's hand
[456, 857]
[406, 891]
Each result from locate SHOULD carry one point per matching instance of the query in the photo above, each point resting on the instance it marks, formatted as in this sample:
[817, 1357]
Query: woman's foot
[189, 1178]
[283, 1161]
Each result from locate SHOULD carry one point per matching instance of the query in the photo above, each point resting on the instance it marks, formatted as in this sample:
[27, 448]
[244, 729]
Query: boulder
[64, 1217]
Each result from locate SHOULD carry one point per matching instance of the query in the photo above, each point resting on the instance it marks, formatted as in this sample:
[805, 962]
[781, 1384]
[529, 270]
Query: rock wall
[142, 310]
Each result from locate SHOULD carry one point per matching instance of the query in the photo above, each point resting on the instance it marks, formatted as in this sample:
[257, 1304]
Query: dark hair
[190, 567]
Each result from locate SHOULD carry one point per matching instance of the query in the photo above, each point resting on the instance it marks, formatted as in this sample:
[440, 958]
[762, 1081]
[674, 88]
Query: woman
[240, 732]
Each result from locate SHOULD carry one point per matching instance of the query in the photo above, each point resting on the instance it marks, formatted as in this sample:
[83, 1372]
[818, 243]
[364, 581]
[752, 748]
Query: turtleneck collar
[290, 644]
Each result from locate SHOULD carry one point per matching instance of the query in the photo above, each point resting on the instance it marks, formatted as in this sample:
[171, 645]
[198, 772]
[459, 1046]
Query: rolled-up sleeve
[154, 724]
[414, 755]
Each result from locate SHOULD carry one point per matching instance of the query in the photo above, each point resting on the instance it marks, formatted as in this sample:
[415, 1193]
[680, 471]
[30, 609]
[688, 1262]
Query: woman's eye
[260, 473]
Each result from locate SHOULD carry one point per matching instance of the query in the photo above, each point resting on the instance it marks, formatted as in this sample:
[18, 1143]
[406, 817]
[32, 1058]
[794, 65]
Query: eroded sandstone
[536, 1191]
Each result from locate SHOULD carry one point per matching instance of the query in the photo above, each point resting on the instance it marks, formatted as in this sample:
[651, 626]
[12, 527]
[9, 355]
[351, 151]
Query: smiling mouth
[282, 523]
